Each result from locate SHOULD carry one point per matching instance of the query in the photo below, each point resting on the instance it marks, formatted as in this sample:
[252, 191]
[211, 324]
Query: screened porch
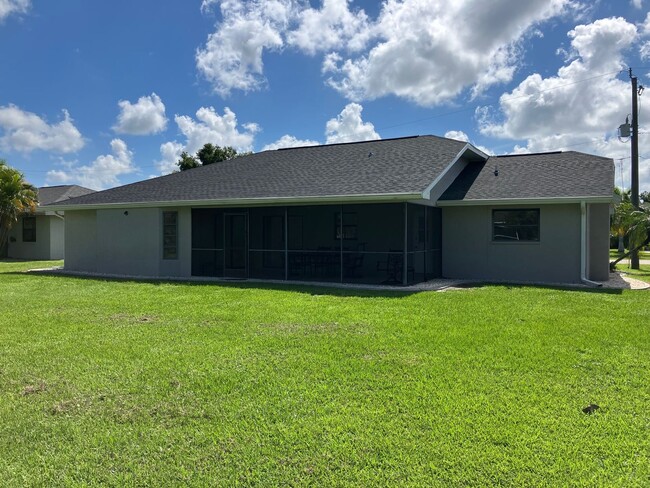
[387, 243]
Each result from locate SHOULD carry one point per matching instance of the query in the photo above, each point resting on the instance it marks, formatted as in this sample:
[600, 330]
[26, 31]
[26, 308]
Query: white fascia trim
[249, 202]
[523, 201]
[476, 151]
[426, 194]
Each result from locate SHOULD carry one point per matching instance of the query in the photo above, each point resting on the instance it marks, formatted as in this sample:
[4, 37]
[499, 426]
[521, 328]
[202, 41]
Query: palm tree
[620, 223]
[16, 198]
[638, 222]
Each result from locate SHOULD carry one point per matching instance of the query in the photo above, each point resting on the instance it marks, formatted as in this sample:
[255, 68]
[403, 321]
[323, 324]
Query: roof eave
[525, 201]
[249, 202]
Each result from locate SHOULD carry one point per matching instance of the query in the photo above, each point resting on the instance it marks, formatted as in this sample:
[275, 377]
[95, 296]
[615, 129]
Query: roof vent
[496, 170]
[370, 154]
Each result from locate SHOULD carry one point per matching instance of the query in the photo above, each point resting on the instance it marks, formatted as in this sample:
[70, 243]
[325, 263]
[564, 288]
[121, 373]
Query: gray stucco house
[41, 235]
[392, 211]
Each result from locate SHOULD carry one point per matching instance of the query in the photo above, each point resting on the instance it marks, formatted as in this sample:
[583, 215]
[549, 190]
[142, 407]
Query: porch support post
[406, 227]
[341, 243]
[286, 244]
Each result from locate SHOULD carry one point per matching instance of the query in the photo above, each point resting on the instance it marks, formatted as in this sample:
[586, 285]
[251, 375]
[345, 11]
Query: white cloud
[459, 135]
[146, 116]
[232, 56]
[576, 109]
[543, 107]
[26, 132]
[289, 141]
[170, 154]
[426, 51]
[637, 3]
[333, 26]
[102, 173]
[349, 127]
[8, 7]
[209, 126]
[221, 130]
[644, 51]
[431, 50]
[645, 27]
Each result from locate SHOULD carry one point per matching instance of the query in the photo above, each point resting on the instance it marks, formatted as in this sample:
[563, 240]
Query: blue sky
[107, 93]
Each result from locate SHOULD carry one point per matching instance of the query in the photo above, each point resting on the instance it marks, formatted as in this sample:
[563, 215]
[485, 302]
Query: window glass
[170, 235]
[29, 229]
[514, 225]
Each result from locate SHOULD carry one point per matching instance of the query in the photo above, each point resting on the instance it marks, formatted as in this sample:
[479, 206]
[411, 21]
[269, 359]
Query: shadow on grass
[558, 287]
[324, 288]
[305, 288]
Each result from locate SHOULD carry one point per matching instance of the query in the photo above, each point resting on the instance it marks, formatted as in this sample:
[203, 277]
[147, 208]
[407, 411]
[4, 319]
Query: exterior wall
[31, 250]
[125, 242]
[598, 241]
[129, 242]
[57, 237]
[468, 251]
[81, 240]
[181, 267]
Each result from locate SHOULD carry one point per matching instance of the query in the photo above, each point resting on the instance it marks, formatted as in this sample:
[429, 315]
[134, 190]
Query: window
[170, 235]
[515, 225]
[29, 229]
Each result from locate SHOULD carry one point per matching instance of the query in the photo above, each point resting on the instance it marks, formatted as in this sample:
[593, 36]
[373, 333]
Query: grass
[125, 383]
[613, 254]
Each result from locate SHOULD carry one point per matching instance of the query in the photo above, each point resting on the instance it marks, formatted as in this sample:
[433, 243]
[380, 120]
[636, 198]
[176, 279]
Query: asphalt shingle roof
[388, 166]
[548, 175]
[56, 194]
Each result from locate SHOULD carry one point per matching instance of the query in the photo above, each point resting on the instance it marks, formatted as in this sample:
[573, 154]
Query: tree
[16, 198]
[621, 222]
[210, 154]
[638, 232]
[187, 162]
[645, 196]
[623, 195]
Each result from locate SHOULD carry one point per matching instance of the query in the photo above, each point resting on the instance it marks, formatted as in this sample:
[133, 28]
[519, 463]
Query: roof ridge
[526, 154]
[349, 143]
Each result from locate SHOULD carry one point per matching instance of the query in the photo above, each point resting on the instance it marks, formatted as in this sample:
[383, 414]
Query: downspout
[583, 247]
[57, 214]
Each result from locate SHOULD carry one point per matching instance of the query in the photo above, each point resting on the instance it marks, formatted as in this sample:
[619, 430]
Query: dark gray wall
[468, 251]
[598, 241]
[81, 241]
[130, 244]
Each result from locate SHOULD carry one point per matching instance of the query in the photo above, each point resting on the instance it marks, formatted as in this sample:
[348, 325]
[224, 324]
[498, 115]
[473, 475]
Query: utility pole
[634, 197]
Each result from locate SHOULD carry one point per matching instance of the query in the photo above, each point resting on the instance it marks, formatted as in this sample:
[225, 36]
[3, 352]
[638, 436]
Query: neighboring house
[41, 235]
[393, 211]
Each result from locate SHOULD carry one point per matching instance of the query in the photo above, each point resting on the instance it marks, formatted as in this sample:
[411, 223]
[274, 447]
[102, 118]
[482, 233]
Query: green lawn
[123, 383]
[613, 254]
